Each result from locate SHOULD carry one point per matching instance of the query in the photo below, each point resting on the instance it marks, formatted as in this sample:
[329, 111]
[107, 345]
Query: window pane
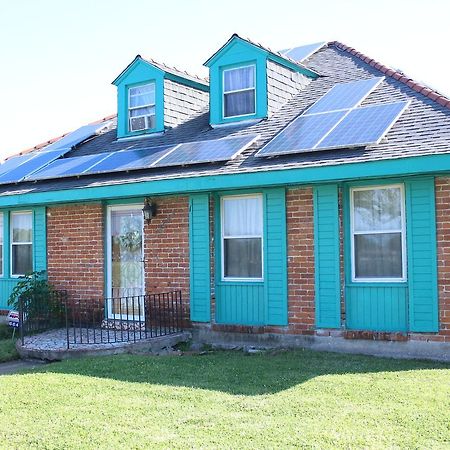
[21, 227]
[239, 103]
[241, 78]
[242, 258]
[149, 110]
[21, 259]
[378, 255]
[142, 95]
[377, 209]
[242, 216]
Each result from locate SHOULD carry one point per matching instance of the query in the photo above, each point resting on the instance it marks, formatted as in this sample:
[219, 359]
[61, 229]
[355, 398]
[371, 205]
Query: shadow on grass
[235, 372]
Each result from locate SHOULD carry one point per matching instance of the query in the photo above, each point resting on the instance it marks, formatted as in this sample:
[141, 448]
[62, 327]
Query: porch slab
[52, 345]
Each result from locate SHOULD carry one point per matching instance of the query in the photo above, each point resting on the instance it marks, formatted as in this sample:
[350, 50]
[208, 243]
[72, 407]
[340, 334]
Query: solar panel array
[337, 121]
[162, 156]
[303, 52]
[22, 167]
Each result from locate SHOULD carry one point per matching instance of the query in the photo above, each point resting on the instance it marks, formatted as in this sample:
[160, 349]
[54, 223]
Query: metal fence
[104, 321]
[41, 313]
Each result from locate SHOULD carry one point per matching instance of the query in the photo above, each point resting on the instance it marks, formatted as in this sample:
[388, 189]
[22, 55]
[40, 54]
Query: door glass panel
[127, 277]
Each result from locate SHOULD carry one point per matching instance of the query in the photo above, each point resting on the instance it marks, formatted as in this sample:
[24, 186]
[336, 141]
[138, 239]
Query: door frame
[109, 210]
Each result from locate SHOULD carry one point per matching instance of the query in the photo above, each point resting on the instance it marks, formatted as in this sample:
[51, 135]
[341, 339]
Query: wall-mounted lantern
[149, 210]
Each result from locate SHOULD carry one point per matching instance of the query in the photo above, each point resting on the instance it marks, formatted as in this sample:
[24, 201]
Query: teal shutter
[422, 259]
[326, 255]
[199, 251]
[40, 239]
[275, 257]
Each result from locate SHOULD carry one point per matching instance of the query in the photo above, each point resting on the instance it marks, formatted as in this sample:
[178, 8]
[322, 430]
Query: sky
[59, 57]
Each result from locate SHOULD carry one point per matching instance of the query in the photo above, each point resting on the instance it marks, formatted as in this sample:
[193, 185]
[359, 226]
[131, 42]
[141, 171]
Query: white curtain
[242, 216]
[142, 95]
[241, 78]
[22, 226]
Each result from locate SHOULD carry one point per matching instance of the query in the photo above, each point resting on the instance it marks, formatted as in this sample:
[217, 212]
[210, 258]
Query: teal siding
[326, 254]
[199, 251]
[240, 303]
[7, 283]
[257, 302]
[139, 72]
[376, 308]
[236, 54]
[422, 270]
[275, 257]
[40, 239]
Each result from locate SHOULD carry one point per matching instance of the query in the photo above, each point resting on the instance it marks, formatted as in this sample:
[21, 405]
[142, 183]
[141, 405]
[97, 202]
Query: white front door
[125, 262]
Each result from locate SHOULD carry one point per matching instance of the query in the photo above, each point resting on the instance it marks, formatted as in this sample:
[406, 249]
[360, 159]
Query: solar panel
[14, 162]
[40, 159]
[131, 159]
[363, 126]
[206, 151]
[76, 137]
[345, 96]
[303, 52]
[67, 166]
[302, 134]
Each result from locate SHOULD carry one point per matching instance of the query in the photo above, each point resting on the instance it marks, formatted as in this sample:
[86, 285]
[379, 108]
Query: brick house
[299, 197]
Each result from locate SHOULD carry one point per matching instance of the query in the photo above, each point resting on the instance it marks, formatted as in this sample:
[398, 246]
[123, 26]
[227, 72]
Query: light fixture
[149, 210]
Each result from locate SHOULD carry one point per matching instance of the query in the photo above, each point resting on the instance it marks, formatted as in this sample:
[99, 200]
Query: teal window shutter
[199, 254]
[275, 257]
[422, 258]
[326, 255]
[40, 239]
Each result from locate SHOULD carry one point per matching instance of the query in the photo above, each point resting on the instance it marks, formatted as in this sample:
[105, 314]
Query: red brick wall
[166, 248]
[442, 187]
[75, 249]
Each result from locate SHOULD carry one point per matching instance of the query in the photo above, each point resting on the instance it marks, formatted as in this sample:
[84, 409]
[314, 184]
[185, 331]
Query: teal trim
[236, 40]
[257, 302]
[199, 256]
[138, 73]
[326, 256]
[186, 82]
[431, 164]
[422, 256]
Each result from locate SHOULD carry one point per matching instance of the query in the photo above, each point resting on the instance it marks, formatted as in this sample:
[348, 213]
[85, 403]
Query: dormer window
[239, 91]
[141, 107]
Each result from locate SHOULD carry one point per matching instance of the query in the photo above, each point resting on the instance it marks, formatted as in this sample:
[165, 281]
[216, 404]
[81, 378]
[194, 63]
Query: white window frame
[222, 237]
[237, 90]
[12, 243]
[401, 279]
[2, 244]
[132, 108]
[133, 206]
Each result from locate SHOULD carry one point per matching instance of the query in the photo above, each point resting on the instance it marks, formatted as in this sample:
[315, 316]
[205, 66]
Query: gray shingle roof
[423, 129]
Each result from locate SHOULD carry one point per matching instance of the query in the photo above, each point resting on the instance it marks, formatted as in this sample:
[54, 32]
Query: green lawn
[7, 345]
[228, 400]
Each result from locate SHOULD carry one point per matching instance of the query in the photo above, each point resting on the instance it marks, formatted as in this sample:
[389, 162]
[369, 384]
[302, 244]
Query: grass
[300, 399]
[8, 350]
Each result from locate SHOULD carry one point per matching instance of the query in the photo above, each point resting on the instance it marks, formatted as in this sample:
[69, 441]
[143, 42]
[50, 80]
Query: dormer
[248, 81]
[152, 97]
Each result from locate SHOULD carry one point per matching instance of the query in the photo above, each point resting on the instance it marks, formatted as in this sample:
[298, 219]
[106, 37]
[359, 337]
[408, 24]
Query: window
[141, 107]
[242, 230]
[1, 244]
[21, 243]
[239, 94]
[378, 233]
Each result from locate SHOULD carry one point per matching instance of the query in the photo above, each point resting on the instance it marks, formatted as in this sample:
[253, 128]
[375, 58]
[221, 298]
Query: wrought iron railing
[123, 319]
[105, 321]
[41, 313]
